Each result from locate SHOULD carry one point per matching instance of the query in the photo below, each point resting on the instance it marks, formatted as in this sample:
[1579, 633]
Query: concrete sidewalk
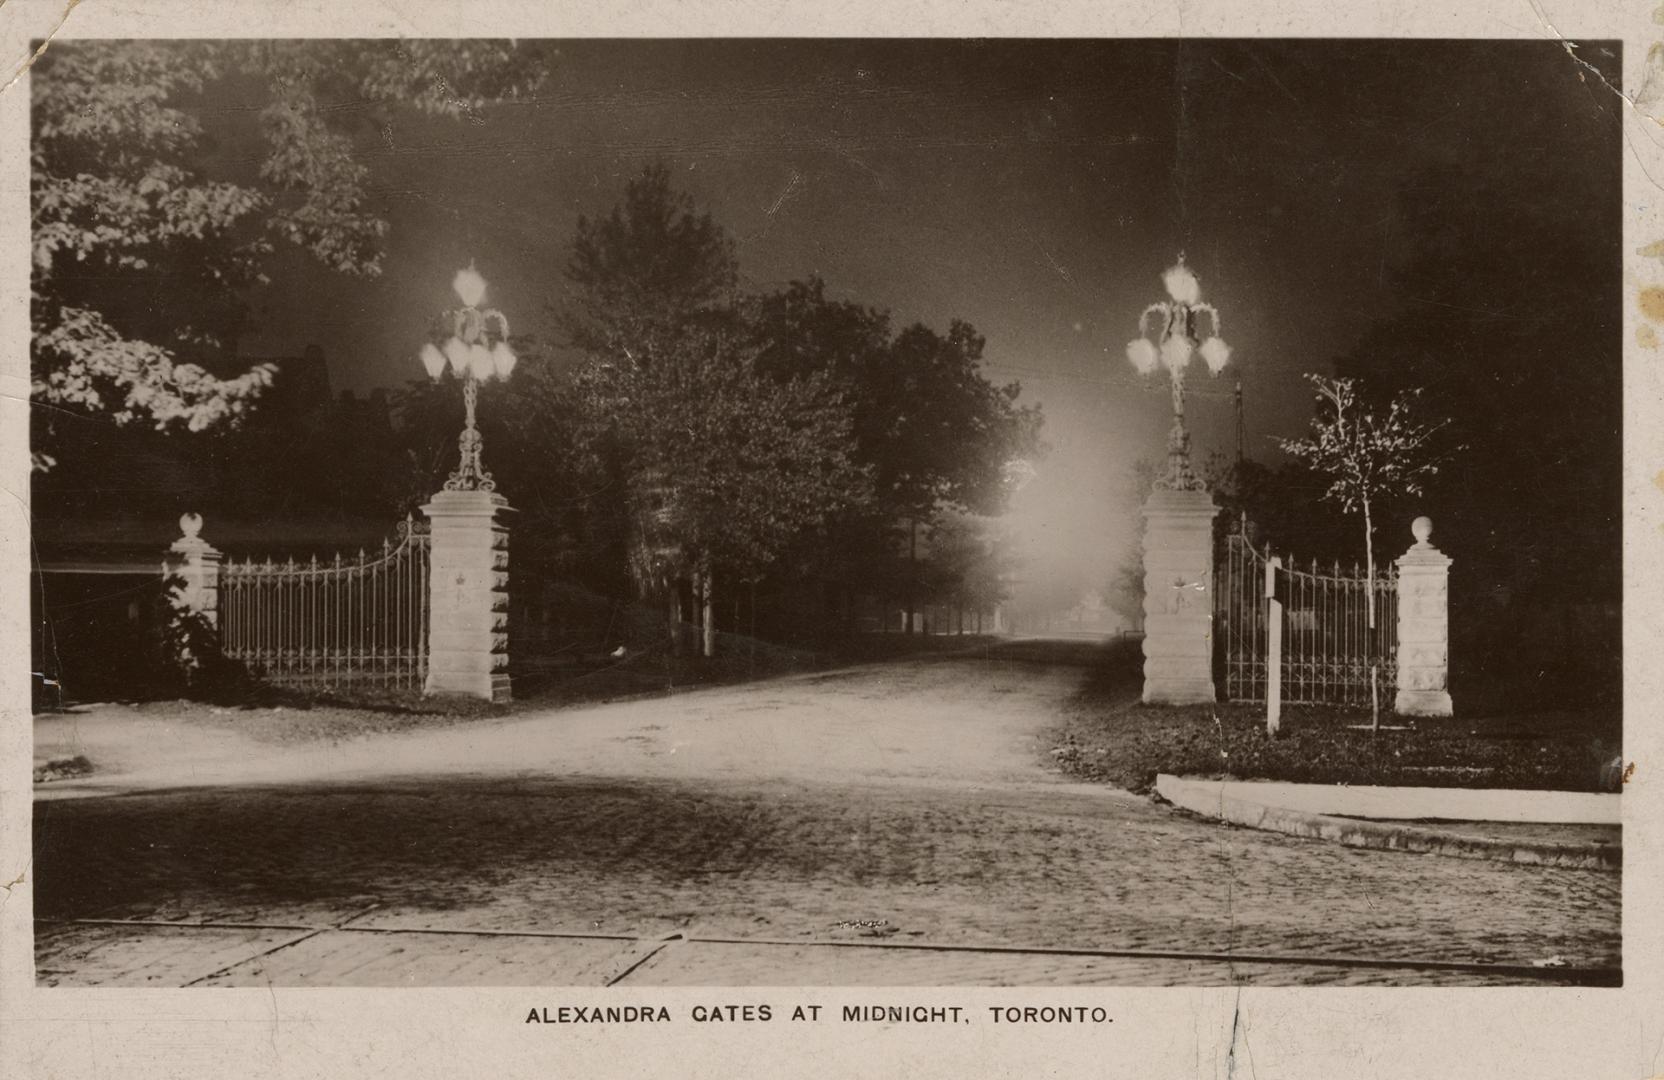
[118, 953]
[1573, 829]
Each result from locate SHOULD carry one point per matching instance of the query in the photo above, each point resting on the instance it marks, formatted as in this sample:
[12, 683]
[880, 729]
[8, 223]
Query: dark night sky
[1036, 189]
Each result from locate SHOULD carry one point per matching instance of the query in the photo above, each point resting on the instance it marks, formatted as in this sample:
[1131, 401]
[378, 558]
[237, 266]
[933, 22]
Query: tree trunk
[1369, 577]
[912, 571]
[675, 615]
[707, 622]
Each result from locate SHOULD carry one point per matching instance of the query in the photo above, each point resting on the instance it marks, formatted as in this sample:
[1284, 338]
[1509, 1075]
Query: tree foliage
[143, 254]
[936, 433]
[751, 431]
[717, 465]
[645, 270]
[1367, 455]
[729, 465]
[969, 563]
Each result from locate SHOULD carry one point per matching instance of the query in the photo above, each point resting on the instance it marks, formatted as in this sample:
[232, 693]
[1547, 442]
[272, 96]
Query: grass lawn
[1108, 735]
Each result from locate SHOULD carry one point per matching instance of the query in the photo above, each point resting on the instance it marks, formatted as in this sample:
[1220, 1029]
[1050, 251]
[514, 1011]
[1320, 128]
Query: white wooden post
[1274, 648]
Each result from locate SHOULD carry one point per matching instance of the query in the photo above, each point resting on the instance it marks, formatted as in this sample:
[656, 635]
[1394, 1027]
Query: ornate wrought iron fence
[1329, 648]
[360, 621]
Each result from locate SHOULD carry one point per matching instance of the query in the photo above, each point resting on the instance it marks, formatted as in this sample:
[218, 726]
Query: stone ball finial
[1421, 528]
[190, 525]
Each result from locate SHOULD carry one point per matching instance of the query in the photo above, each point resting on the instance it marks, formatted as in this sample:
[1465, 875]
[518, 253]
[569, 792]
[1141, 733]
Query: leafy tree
[646, 270]
[936, 432]
[730, 465]
[968, 564]
[937, 436]
[643, 279]
[143, 254]
[1367, 457]
[655, 278]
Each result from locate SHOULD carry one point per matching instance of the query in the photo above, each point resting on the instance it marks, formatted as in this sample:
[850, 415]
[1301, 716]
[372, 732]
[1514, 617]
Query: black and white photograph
[752, 539]
[713, 512]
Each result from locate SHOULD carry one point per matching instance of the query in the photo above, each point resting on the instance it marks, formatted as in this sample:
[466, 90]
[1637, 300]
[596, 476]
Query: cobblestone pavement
[414, 880]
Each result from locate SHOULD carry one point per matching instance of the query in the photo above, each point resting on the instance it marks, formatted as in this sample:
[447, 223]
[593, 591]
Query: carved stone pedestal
[468, 595]
[1178, 598]
[1423, 628]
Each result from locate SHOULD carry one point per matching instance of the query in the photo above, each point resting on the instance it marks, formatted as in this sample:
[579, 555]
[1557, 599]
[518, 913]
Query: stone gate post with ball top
[193, 566]
[1423, 627]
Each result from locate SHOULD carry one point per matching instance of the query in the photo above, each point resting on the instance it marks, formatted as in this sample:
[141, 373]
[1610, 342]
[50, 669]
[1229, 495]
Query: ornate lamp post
[1167, 337]
[467, 649]
[477, 351]
[1178, 515]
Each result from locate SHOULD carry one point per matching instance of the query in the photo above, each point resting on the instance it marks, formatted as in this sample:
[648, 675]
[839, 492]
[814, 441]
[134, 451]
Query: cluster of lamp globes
[1177, 346]
[478, 345]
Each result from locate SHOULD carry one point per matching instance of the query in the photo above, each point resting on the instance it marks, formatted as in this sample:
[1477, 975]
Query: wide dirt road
[905, 803]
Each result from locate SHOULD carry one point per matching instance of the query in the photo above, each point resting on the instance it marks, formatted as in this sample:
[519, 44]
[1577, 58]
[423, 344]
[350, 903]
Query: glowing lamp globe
[1216, 353]
[1175, 352]
[479, 362]
[1181, 284]
[433, 360]
[470, 286]
[502, 359]
[1143, 355]
[457, 353]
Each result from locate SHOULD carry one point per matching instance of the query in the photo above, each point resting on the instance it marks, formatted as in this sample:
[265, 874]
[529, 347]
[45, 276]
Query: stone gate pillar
[468, 595]
[192, 571]
[1423, 627]
[196, 563]
[1178, 598]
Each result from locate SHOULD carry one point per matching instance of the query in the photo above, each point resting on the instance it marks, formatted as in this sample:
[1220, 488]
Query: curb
[1208, 799]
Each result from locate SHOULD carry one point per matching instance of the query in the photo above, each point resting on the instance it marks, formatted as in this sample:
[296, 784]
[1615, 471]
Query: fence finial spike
[337, 560]
[361, 555]
[314, 562]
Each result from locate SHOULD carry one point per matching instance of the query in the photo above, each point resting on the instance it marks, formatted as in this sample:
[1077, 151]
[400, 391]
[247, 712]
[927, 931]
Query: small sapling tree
[1368, 457]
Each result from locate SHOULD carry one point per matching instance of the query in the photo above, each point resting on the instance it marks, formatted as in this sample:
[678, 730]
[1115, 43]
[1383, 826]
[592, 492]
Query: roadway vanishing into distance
[895, 824]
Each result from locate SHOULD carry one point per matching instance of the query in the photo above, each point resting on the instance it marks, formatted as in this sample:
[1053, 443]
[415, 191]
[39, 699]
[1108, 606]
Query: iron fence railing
[1329, 648]
[345, 621]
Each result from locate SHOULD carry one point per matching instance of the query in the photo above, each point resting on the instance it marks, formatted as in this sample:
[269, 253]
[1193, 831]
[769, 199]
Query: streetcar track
[1565, 975]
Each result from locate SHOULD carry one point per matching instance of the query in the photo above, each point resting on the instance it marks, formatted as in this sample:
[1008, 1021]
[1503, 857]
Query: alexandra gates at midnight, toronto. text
[883, 1014]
